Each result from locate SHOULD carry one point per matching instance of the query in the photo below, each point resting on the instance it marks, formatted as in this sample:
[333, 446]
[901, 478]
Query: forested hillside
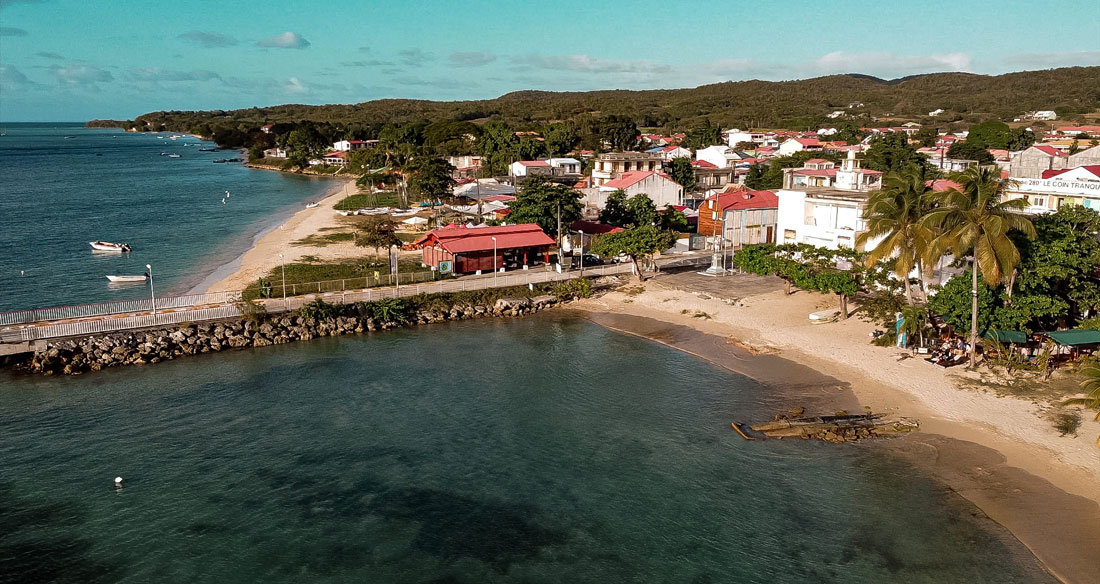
[964, 97]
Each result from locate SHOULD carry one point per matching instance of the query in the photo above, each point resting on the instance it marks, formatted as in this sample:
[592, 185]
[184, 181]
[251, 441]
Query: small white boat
[345, 213]
[824, 316]
[173, 156]
[312, 204]
[138, 278]
[109, 246]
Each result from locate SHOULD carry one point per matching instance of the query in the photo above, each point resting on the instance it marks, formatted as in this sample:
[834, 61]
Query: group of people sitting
[949, 353]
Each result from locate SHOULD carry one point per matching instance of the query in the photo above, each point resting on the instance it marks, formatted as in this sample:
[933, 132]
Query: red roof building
[593, 228]
[463, 250]
[742, 216]
[1049, 150]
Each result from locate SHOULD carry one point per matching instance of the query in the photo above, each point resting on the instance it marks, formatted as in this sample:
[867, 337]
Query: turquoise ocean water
[545, 449]
[62, 185]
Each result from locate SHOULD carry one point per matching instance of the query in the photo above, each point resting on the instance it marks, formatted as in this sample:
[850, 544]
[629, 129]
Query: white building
[792, 145]
[1059, 188]
[735, 137]
[661, 189]
[823, 206]
[530, 168]
[349, 145]
[276, 153]
[564, 166]
[1043, 115]
[719, 156]
[935, 112]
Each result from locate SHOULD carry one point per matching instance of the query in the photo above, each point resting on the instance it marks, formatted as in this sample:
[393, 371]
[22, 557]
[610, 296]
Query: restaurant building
[466, 250]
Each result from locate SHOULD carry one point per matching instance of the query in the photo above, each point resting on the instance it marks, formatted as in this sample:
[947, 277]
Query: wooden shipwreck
[837, 428]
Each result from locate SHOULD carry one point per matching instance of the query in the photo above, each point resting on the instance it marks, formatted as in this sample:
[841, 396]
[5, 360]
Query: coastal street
[174, 310]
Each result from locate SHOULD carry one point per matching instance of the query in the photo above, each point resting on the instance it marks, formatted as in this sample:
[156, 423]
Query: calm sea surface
[546, 449]
[62, 185]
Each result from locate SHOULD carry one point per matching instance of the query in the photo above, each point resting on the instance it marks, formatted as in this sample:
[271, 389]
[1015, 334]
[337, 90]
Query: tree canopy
[635, 242]
[539, 202]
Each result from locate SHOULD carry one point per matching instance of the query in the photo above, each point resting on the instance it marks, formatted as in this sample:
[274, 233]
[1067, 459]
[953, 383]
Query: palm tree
[895, 214]
[1091, 384]
[974, 219]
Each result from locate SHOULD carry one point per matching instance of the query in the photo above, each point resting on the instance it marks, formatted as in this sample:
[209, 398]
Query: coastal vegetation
[965, 98]
[310, 275]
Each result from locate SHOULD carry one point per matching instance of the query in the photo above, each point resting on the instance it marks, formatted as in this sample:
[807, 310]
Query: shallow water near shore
[544, 449]
[64, 185]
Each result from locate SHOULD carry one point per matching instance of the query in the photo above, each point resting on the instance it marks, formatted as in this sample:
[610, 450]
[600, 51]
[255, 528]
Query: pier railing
[116, 307]
[31, 325]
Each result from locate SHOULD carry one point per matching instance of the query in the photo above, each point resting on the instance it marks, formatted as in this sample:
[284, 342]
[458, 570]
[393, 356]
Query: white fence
[228, 308]
[116, 307]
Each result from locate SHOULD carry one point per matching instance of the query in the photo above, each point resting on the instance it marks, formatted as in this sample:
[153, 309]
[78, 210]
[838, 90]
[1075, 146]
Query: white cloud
[292, 85]
[209, 40]
[472, 59]
[158, 74]
[587, 64]
[1051, 60]
[287, 40]
[81, 76]
[887, 64]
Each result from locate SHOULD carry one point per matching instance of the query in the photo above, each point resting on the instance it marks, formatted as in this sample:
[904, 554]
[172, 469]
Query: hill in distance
[964, 97]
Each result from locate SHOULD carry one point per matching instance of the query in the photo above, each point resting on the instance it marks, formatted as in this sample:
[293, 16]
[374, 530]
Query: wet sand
[1061, 529]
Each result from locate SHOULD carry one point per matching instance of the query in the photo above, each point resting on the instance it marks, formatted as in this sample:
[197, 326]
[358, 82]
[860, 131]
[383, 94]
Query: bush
[573, 289]
[321, 310]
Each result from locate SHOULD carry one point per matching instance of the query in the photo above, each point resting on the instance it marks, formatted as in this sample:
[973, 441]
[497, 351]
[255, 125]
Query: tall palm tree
[1091, 384]
[895, 214]
[974, 219]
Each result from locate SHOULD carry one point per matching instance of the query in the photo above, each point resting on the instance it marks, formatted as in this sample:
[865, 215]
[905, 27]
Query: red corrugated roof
[462, 239]
[632, 178]
[702, 164]
[807, 141]
[741, 198]
[1049, 150]
[942, 184]
[534, 163]
[593, 228]
[1091, 169]
[500, 198]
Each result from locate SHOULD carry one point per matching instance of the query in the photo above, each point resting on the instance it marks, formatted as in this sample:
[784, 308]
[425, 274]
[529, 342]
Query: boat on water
[109, 246]
[221, 160]
[208, 149]
[173, 156]
[128, 279]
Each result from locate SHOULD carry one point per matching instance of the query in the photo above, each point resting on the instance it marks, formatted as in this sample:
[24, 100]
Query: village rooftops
[461, 239]
[612, 156]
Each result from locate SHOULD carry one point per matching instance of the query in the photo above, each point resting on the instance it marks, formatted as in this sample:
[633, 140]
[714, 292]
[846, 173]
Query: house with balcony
[612, 165]
[526, 168]
[792, 145]
[819, 173]
[741, 216]
[352, 145]
[824, 206]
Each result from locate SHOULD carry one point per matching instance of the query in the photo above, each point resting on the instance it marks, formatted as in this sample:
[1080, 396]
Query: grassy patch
[364, 200]
[323, 239]
[310, 276]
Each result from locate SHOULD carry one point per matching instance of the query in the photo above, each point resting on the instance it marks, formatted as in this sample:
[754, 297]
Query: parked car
[591, 259]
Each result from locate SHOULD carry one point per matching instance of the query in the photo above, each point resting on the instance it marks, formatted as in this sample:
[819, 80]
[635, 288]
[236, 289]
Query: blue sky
[79, 59]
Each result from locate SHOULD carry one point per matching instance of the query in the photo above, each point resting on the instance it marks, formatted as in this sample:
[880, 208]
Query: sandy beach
[263, 256]
[998, 452]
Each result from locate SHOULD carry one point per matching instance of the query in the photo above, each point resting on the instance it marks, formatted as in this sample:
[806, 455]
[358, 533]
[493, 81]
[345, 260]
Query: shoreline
[1049, 504]
[263, 254]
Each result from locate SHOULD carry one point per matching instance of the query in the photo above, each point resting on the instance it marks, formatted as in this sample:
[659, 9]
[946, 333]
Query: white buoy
[227, 194]
[118, 481]
[223, 201]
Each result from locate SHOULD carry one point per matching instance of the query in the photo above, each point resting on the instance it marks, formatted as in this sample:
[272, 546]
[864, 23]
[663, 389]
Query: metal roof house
[465, 250]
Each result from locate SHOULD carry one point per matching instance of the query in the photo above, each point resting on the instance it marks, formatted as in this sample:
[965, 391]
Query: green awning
[1075, 337]
[1005, 336]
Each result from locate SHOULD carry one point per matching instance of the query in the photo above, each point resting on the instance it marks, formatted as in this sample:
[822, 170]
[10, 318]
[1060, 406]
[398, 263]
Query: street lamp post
[152, 297]
[582, 250]
[282, 267]
[494, 261]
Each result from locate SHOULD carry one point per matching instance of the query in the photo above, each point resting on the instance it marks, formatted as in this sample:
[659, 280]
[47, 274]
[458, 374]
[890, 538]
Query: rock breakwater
[94, 353]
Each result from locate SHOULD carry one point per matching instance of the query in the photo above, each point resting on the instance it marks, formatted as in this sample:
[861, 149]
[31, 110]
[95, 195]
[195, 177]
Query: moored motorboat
[109, 246]
[312, 204]
[137, 278]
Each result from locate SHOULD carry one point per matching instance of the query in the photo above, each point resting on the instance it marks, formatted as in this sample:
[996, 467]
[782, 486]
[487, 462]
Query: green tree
[635, 242]
[764, 177]
[887, 152]
[614, 211]
[256, 152]
[540, 201]
[967, 150]
[560, 138]
[377, 232]
[671, 219]
[303, 144]
[681, 171]
[1061, 261]
[1021, 139]
[975, 220]
[641, 210]
[991, 134]
[953, 303]
[702, 137]
[895, 214]
[431, 178]
[498, 147]
[619, 133]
